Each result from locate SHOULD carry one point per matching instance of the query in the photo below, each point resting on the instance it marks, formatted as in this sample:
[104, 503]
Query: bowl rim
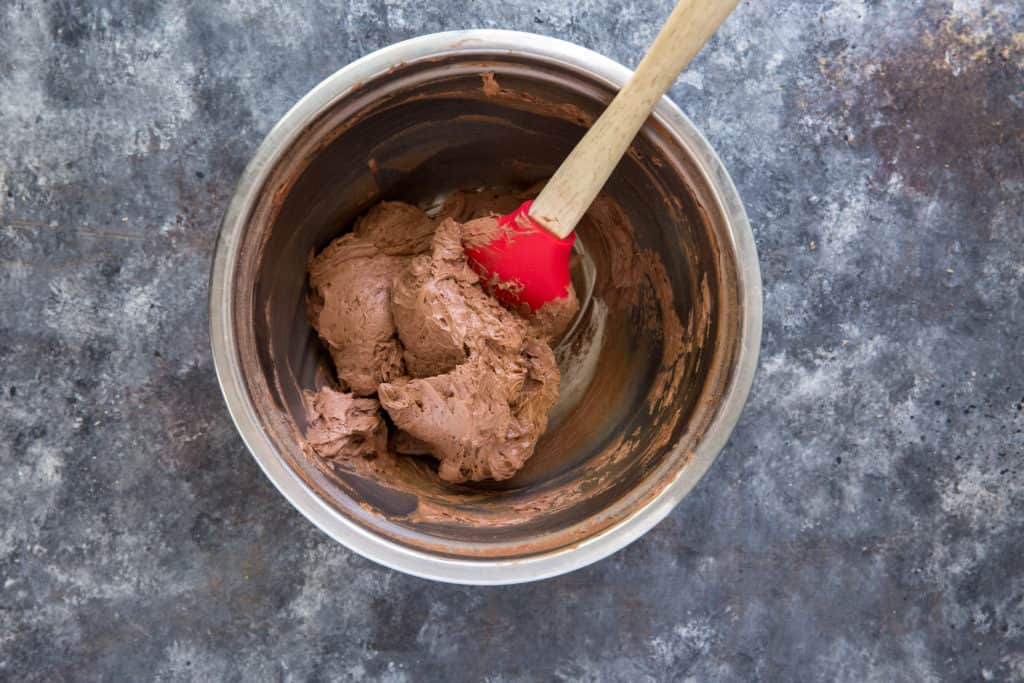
[484, 571]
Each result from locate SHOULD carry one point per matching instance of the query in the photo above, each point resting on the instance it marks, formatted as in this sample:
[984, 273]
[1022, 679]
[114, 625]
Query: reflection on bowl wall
[654, 374]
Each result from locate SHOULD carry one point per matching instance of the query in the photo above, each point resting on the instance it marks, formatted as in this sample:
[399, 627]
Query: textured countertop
[864, 523]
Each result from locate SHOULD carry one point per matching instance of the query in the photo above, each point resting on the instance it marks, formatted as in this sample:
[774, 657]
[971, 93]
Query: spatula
[528, 263]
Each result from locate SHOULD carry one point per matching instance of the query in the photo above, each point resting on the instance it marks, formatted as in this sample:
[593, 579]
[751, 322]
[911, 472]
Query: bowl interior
[641, 369]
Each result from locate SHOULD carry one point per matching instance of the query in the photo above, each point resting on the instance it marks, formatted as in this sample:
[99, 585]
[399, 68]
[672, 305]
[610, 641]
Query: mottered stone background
[864, 523]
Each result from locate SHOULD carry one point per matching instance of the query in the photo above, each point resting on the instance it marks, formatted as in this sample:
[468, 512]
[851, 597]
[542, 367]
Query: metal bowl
[414, 121]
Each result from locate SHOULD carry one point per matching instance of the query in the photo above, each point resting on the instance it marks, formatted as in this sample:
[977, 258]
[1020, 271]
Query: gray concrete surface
[865, 522]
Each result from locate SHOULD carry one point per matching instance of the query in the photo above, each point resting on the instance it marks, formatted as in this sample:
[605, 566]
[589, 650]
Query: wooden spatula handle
[572, 189]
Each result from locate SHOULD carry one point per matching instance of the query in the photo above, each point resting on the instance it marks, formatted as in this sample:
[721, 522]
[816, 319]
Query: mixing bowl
[655, 370]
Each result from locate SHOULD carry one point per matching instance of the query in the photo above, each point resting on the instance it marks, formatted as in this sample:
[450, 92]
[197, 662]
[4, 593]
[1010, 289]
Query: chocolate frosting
[345, 426]
[462, 378]
[350, 284]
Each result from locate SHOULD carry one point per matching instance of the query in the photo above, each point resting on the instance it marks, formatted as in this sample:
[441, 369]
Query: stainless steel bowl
[419, 112]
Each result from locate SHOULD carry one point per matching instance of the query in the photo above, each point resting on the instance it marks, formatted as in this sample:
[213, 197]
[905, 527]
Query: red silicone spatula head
[525, 264]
